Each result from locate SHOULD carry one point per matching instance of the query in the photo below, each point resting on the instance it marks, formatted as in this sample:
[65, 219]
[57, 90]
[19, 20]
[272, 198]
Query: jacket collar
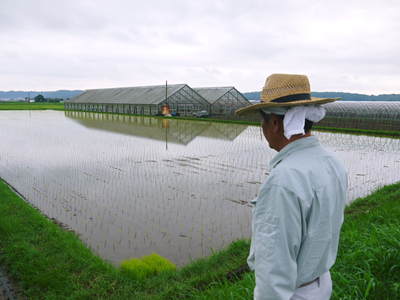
[307, 142]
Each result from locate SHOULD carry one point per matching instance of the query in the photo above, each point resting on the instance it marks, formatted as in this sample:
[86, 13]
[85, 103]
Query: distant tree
[54, 99]
[40, 98]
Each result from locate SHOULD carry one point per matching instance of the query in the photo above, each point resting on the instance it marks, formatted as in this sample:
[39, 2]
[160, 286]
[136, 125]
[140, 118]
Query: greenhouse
[379, 115]
[144, 100]
[224, 100]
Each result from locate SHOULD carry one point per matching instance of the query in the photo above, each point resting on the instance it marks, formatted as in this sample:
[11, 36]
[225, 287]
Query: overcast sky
[342, 45]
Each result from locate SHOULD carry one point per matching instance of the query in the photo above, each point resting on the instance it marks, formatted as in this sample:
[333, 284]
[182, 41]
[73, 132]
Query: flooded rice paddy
[130, 186]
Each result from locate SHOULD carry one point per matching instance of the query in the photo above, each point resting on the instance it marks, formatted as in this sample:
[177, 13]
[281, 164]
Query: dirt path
[7, 291]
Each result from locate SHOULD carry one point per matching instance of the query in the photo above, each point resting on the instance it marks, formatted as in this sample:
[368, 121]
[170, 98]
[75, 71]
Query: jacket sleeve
[277, 238]
[251, 258]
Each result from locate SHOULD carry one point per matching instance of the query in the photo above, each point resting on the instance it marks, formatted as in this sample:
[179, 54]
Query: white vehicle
[201, 114]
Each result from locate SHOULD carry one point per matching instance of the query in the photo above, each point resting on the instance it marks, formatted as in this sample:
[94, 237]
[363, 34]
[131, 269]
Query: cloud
[350, 45]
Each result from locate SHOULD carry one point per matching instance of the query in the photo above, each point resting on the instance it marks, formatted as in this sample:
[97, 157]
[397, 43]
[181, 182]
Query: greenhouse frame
[224, 101]
[142, 100]
[372, 115]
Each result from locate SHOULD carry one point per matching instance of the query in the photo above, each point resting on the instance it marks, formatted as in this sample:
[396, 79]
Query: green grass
[368, 265]
[30, 106]
[49, 262]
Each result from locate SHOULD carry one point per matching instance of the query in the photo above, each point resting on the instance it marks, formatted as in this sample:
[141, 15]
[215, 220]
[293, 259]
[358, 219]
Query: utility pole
[166, 103]
[166, 91]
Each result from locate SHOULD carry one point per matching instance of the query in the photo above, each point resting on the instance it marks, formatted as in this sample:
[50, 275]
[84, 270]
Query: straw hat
[285, 90]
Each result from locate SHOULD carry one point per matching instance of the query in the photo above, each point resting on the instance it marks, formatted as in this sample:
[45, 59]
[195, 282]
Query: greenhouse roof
[389, 109]
[212, 94]
[128, 95]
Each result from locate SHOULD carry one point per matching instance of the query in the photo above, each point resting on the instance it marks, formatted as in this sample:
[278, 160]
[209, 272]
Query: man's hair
[307, 124]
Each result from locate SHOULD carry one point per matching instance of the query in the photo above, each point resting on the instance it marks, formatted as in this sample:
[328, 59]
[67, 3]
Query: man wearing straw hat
[299, 210]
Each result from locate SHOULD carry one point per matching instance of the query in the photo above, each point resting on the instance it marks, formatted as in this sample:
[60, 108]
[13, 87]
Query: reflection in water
[181, 132]
[110, 178]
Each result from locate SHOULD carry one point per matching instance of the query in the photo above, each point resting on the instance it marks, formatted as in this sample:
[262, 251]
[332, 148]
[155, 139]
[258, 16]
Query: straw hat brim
[254, 107]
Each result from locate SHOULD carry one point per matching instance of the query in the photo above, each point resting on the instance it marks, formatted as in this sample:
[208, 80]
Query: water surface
[130, 186]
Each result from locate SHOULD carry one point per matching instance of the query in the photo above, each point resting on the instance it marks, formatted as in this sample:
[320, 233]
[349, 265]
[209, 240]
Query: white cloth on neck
[294, 117]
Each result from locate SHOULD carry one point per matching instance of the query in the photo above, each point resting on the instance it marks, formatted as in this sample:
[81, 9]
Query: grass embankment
[49, 262]
[30, 106]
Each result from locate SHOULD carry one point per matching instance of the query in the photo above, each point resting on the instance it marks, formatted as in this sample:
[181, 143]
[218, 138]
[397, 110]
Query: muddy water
[133, 185]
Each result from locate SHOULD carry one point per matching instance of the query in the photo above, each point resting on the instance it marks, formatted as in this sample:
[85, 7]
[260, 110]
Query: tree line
[41, 98]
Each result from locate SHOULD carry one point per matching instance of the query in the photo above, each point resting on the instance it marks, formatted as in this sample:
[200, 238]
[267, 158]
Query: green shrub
[158, 263]
[140, 268]
[136, 268]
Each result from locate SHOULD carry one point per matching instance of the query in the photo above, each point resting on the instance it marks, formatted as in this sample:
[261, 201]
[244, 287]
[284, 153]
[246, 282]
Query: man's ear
[277, 124]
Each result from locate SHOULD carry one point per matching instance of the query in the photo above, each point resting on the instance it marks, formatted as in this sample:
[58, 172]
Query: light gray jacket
[297, 219]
